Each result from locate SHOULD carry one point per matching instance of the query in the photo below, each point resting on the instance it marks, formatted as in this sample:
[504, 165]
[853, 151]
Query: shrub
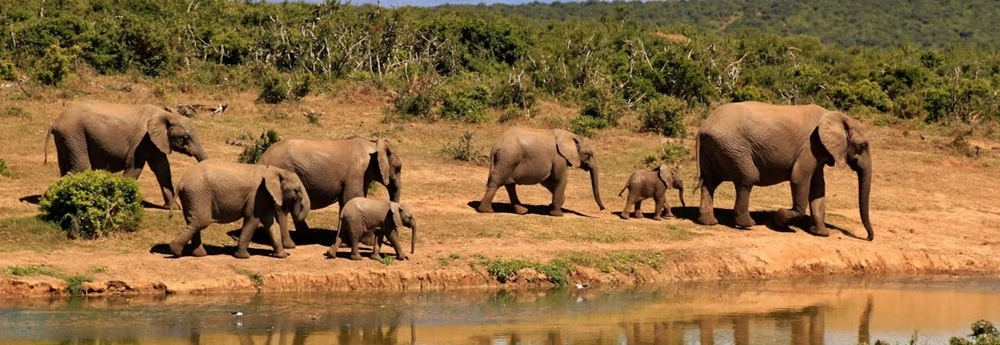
[413, 104]
[8, 71]
[54, 65]
[251, 154]
[273, 91]
[467, 105]
[93, 203]
[863, 93]
[465, 150]
[303, 88]
[673, 153]
[587, 125]
[4, 170]
[664, 115]
[983, 333]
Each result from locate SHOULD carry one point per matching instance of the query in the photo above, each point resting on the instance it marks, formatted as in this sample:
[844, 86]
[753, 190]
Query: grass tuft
[255, 277]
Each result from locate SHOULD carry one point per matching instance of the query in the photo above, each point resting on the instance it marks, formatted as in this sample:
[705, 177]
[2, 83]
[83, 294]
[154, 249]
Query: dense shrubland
[492, 63]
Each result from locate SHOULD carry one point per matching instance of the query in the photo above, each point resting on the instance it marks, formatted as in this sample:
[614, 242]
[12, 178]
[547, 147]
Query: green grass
[4, 170]
[98, 269]
[557, 271]
[74, 283]
[255, 277]
[31, 233]
[387, 260]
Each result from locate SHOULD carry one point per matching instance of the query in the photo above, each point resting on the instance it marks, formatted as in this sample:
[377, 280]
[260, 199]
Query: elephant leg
[558, 189]
[71, 159]
[706, 212]
[800, 201]
[742, 207]
[664, 206]
[637, 212]
[177, 245]
[249, 226]
[514, 200]
[332, 251]
[281, 217]
[629, 203]
[161, 168]
[199, 247]
[817, 205]
[279, 249]
[355, 237]
[657, 207]
[377, 246]
[394, 240]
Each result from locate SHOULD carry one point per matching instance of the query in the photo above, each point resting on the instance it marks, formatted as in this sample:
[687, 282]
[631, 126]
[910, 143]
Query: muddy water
[773, 312]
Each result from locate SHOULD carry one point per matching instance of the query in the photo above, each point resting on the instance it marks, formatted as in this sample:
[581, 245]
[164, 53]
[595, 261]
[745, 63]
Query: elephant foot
[280, 255]
[355, 257]
[657, 218]
[744, 221]
[556, 212]
[484, 208]
[176, 248]
[242, 254]
[376, 256]
[669, 215]
[784, 217]
[707, 219]
[520, 209]
[288, 245]
[623, 215]
[199, 252]
[821, 232]
[331, 253]
[402, 257]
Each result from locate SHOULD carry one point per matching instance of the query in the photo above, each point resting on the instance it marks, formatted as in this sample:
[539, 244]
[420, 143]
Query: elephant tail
[623, 190]
[48, 135]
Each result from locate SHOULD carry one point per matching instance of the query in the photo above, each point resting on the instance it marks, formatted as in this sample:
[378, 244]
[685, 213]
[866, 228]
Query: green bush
[983, 333]
[664, 115]
[4, 170]
[864, 93]
[8, 71]
[413, 104]
[303, 88]
[465, 150]
[251, 153]
[93, 203]
[467, 105]
[54, 65]
[273, 90]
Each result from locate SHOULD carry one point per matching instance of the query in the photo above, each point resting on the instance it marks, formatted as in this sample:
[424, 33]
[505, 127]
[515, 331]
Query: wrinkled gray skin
[383, 218]
[531, 156]
[758, 144]
[652, 183]
[119, 137]
[335, 171]
[222, 192]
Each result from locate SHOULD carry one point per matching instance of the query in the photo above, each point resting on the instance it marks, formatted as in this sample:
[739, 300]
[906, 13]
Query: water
[841, 311]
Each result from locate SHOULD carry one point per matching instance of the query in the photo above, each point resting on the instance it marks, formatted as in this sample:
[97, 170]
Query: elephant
[214, 191]
[652, 183]
[524, 156]
[121, 137]
[759, 144]
[335, 171]
[383, 218]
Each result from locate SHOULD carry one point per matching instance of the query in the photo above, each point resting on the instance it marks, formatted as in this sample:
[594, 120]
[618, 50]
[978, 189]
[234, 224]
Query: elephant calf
[222, 192]
[363, 216]
[644, 184]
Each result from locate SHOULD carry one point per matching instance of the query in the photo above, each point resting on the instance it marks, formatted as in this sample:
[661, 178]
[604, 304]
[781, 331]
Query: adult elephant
[758, 144]
[122, 137]
[531, 156]
[335, 171]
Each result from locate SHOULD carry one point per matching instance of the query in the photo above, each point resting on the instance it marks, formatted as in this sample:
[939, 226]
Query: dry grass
[909, 175]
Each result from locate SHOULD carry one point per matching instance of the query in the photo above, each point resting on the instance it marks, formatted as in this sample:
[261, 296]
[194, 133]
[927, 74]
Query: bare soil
[934, 209]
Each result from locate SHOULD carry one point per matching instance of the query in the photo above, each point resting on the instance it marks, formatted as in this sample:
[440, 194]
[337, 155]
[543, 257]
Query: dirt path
[933, 212]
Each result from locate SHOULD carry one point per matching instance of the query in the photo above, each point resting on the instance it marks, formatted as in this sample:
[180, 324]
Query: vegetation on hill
[656, 61]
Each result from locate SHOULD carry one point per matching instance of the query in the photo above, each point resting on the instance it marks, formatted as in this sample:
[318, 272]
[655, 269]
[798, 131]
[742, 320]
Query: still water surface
[841, 311]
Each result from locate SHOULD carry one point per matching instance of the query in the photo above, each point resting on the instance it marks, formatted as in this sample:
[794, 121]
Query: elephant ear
[568, 147]
[383, 150]
[272, 182]
[666, 174]
[833, 130]
[158, 127]
[396, 218]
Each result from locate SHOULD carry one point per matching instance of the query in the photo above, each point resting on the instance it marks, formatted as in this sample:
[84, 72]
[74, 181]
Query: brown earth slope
[934, 210]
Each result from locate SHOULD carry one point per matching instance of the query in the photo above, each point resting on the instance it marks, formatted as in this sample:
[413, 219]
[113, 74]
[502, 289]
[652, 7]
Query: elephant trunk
[595, 185]
[413, 241]
[864, 169]
[301, 210]
[200, 154]
[680, 193]
[394, 189]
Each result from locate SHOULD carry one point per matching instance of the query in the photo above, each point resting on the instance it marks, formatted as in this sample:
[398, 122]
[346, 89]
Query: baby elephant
[214, 191]
[362, 216]
[643, 184]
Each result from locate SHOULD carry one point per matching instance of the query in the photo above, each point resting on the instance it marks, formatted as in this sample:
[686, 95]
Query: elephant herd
[747, 143]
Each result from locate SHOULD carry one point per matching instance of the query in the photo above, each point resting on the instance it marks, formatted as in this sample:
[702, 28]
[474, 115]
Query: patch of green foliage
[625, 262]
[557, 271]
[466, 104]
[99, 269]
[74, 283]
[251, 153]
[8, 71]
[387, 260]
[55, 64]
[664, 115]
[255, 277]
[93, 203]
[465, 150]
[4, 170]
[983, 333]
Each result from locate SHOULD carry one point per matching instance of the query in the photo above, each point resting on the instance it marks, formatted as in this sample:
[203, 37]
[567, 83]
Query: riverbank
[933, 210]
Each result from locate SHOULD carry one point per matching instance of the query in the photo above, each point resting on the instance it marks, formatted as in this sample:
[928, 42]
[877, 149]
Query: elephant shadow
[727, 217]
[319, 236]
[163, 248]
[500, 207]
[37, 199]
[649, 215]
